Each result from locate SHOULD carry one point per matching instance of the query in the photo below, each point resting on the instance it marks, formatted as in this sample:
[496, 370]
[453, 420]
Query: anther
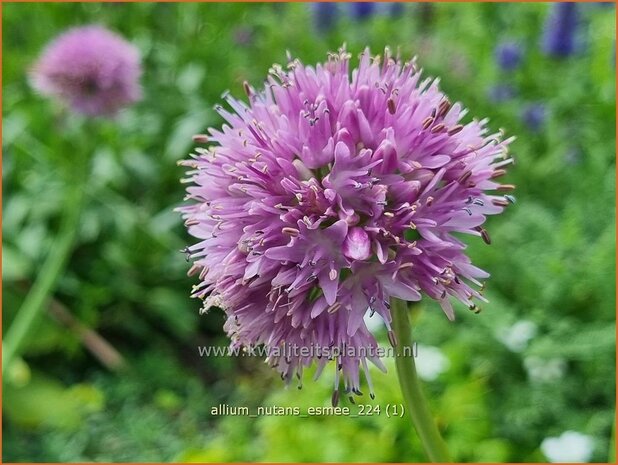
[427, 122]
[194, 269]
[500, 203]
[484, 235]
[443, 108]
[187, 252]
[247, 88]
[390, 103]
[200, 138]
[290, 231]
[437, 128]
[464, 177]
[392, 339]
[497, 173]
[474, 309]
[505, 187]
[333, 308]
[455, 129]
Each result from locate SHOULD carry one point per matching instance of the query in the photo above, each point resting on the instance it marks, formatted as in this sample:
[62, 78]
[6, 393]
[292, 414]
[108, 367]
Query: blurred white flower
[430, 362]
[542, 370]
[374, 323]
[517, 336]
[570, 446]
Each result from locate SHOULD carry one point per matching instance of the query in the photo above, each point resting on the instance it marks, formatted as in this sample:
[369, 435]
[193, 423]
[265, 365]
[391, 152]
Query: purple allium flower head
[559, 36]
[534, 116]
[331, 192]
[93, 70]
[508, 55]
[325, 15]
[362, 10]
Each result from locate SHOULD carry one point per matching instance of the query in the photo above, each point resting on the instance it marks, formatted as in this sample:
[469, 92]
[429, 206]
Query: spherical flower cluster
[91, 69]
[332, 193]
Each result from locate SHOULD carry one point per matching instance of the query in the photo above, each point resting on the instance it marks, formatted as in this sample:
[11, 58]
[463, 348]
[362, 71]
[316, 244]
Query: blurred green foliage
[552, 257]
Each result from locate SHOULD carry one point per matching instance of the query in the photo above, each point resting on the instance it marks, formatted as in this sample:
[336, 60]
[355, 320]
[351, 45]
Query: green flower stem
[47, 277]
[415, 401]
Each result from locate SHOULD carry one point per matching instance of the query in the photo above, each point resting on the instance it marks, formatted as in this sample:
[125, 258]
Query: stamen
[437, 128]
[290, 231]
[484, 235]
[187, 252]
[390, 103]
[464, 177]
[455, 129]
[333, 308]
[427, 122]
[443, 108]
[200, 138]
[392, 338]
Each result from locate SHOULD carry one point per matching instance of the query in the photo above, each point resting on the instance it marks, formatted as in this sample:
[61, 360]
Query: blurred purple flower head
[325, 15]
[560, 34]
[243, 36]
[534, 116]
[332, 191]
[501, 93]
[91, 69]
[508, 55]
[361, 10]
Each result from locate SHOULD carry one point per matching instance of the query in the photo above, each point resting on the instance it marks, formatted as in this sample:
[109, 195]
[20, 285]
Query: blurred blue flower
[508, 55]
[325, 15]
[361, 10]
[501, 93]
[559, 37]
[573, 156]
[395, 9]
[534, 116]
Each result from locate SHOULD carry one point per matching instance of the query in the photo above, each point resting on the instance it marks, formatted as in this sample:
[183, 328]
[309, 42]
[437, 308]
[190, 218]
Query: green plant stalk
[612, 442]
[46, 280]
[415, 401]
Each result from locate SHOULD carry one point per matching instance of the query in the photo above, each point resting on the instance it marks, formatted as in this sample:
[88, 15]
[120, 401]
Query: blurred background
[111, 371]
